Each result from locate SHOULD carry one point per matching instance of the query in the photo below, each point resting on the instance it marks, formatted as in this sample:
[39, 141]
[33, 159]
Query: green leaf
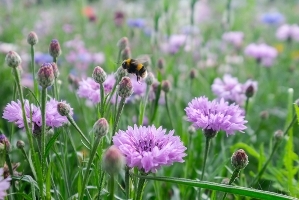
[249, 192]
[297, 111]
[48, 181]
[51, 142]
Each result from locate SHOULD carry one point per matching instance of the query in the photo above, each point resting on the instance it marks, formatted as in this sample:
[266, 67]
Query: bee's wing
[144, 59]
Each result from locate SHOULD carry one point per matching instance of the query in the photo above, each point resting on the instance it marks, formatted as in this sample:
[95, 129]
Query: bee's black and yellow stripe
[134, 67]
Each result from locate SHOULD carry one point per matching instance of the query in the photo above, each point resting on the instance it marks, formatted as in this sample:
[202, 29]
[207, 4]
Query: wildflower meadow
[158, 100]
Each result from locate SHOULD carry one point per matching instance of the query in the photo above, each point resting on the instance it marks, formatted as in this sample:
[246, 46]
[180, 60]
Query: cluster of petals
[4, 184]
[262, 53]
[149, 148]
[174, 43]
[288, 32]
[13, 113]
[234, 37]
[215, 115]
[231, 90]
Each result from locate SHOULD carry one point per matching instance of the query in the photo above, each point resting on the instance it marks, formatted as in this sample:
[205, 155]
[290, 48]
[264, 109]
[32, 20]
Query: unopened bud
[165, 86]
[13, 59]
[99, 75]
[5, 142]
[45, 75]
[264, 115]
[74, 81]
[249, 91]
[192, 74]
[161, 63]
[239, 159]
[278, 135]
[63, 109]
[225, 181]
[191, 130]
[101, 127]
[113, 161]
[55, 69]
[125, 87]
[120, 73]
[126, 53]
[32, 38]
[150, 78]
[20, 144]
[297, 102]
[54, 48]
[123, 43]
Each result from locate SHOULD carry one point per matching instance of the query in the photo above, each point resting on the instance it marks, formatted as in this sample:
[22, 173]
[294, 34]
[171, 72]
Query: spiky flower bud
[55, 69]
[239, 159]
[54, 48]
[101, 127]
[20, 144]
[150, 78]
[192, 74]
[278, 135]
[165, 86]
[13, 59]
[113, 161]
[225, 181]
[125, 87]
[5, 142]
[63, 109]
[32, 38]
[191, 130]
[161, 63]
[45, 75]
[126, 53]
[73, 81]
[99, 75]
[123, 43]
[264, 115]
[120, 73]
[249, 92]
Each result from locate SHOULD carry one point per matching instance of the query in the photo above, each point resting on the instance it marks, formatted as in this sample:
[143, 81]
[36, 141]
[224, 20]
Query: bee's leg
[138, 79]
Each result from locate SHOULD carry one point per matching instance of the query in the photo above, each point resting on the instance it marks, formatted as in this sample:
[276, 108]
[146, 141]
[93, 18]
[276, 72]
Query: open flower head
[4, 184]
[149, 148]
[216, 116]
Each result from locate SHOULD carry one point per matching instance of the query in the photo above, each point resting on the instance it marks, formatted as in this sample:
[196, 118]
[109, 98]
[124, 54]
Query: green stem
[92, 154]
[43, 133]
[35, 84]
[167, 108]
[102, 100]
[120, 109]
[140, 188]
[127, 182]
[275, 147]
[207, 148]
[232, 179]
[101, 183]
[228, 10]
[246, 105]
[156, 103]
[143, 105]
[111, 188]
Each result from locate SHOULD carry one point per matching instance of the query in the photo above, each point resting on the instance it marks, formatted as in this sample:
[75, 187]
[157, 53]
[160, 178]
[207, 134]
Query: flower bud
[73, 81]
[54, 48]
[55, 69]
[101, 127]
[192, 74]
[5, 142]
[13, 59]
[125, 87]
[239, 159]
[161, 63]
[297, 102]
[120, 73]
[150, 78]
[20, 144]
[113, 161]
[32, 38]
[126, 53]
[249, 92]
[278, 135]
[264, 115]
[165, 86]
[225, 181]
[191, 130]
[63, 109]
[45, 75]
[123, 43]
[99, 75]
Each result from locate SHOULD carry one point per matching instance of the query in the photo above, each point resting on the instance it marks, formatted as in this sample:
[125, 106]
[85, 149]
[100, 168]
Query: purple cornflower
[13, 112]
[288, 32]
[53, 118]
[229, 89]
[272, 18]
[136, 23]
[4, 184]
[149, 148]
[263, 53]
[90, 90]
[235, 38]
[215, 116]
[174, 43]
[41, 58]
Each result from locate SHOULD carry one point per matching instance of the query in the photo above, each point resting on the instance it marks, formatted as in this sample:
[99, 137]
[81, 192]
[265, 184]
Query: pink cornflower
[174, 43]
[235, 38]
[13, 112]
[263, 53]
[288, 32]
[215, 116]
[149, 148]
[4, 184]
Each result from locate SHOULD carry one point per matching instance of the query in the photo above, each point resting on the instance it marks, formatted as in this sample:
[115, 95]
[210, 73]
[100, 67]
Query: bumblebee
[135, 67]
